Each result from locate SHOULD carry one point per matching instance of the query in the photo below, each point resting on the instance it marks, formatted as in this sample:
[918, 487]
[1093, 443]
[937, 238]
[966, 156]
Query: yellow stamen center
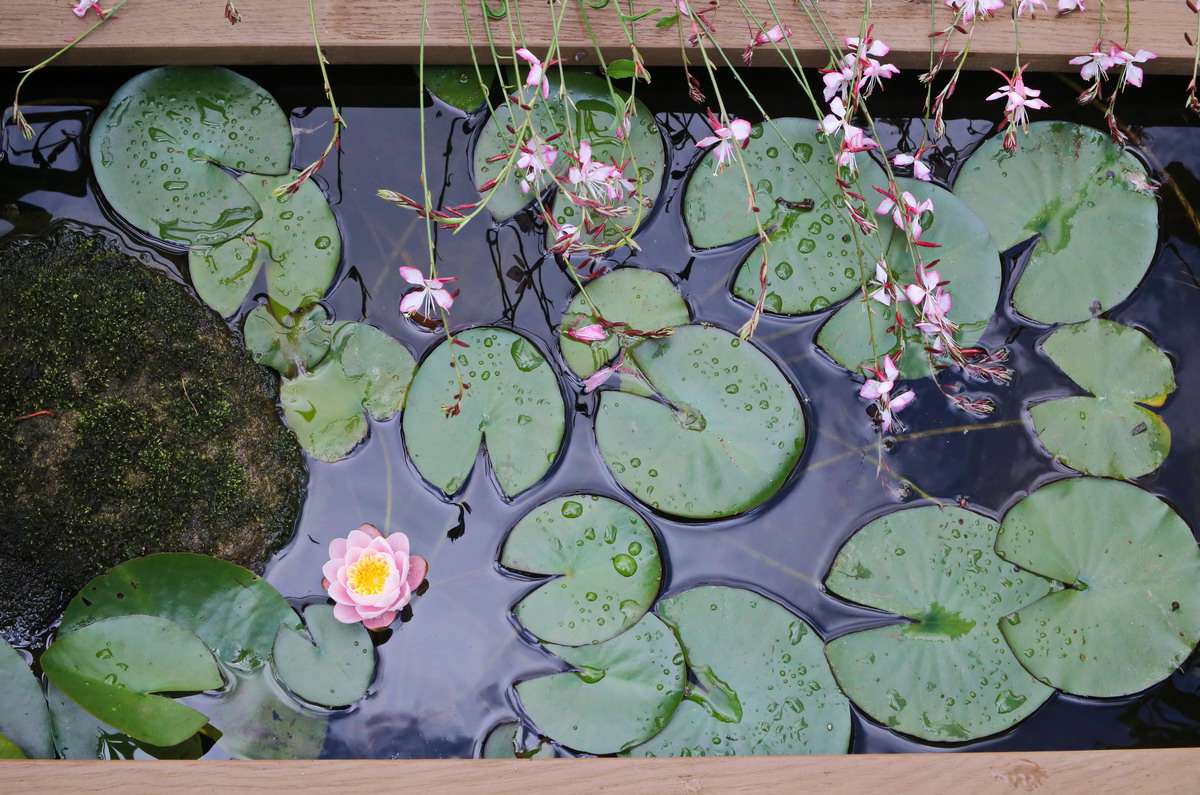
[368, 575]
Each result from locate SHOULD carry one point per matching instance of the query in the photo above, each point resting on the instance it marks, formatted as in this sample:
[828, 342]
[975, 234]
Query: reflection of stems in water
[909, 437]
[387, 474]
[770, 561]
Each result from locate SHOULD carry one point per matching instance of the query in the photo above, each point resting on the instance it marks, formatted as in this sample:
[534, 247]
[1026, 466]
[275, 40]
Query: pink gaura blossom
[855, 140]
[537, 71]
[835, 121]
[534, 161]
[592, 332]
[906, 213]
[84, 5]
[838, 81]
[882, 382]
[921, 169]
[872, 71]
[1095, 64]
[774, 35]
[1132, 73]
[887, 290]
[1029, 5]
[975, 8]
[928, 281]
[736, 132]
[1020, 99]
[433, 293]
[1067, 6]
[600, 180]
[890, 407]
[370, 577]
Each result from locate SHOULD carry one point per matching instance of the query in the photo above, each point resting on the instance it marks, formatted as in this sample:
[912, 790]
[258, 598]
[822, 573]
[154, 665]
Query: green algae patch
[164, 435]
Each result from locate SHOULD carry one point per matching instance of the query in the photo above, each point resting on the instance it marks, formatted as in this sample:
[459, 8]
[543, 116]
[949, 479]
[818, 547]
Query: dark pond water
[445, 674]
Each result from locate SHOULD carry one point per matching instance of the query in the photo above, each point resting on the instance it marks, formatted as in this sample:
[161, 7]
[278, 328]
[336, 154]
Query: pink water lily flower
[433, 293]
[736, 132]
[371, 578]
[537, 71]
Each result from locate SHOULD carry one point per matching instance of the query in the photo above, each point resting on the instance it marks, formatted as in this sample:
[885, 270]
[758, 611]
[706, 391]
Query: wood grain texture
[1168, 770]
[388, 31]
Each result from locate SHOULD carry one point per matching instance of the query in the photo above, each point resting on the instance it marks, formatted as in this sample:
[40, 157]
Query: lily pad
[761, 682]
[1102, 436]
[1131, 610]
[234, 611]
[161, 148]
[645, 300]
[1108, 435]
[607, 560]
[501, 743]
[24, 718]
[945, 674]
[622, 692]
[367, 370]
[1112, 360]
[334, 669]
[257, 720]
[723, 439]
[811, 260]
[113, 667]
[1076, 190]
[77, 734]
[513, 405]
[966, 258]
[295, 345]
[590, 113]
[296, 240]
[459, 86]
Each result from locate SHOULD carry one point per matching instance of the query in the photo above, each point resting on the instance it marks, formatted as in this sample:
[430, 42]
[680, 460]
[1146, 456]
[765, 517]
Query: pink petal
[337, 548]
[380, 621]
[360, 539]
[417, 568]
[412, 275]
[443, 298]
[398, 542]
[412, 301]
[347, 614]
[741, 129]
[527, 55]
[889, 368]
[871, 390]
[331, 568]
[914, 293]
[900, 401]
[339, 594]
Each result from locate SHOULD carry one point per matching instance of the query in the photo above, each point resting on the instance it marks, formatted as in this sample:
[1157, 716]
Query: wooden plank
[1165, 770]
[388, 31]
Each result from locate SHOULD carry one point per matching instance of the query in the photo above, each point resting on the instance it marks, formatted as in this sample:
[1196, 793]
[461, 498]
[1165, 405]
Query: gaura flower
[370, 578]
[82, 9]
[887, 290]
[537, 71]
[736, 132]
[920, 168]
[882, 383]
[1067, 6]
[1132, 74]
[774, 35]
[1095, 64]
[433, 292]
[888, 408]
[906, 213]
[976, 8]
[592, 332]
[1020, 99]
[534, 161]
[928, 282]
[1029, 5]
[838, 81]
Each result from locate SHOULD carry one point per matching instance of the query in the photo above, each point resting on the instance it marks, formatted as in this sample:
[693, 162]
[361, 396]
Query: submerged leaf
[24, 718]
[257, 720]
[296, 345]
[501, 743]
[811, 260]
[1131, 610]
[161, 148]
[234, 611]
[513, 405]
[296, 240]
[1102, 436]
[335, 668]
[113, 667]
[1078, 191]
[855, 335]
[762, 683]
[723, 439]
[944, 675]
[623, 693]
[607, 560]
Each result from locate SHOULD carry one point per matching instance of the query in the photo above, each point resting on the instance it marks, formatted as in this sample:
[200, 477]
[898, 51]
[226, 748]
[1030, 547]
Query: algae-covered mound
[164, 434]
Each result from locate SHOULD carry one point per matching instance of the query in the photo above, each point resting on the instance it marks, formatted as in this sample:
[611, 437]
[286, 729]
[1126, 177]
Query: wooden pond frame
[388, 31]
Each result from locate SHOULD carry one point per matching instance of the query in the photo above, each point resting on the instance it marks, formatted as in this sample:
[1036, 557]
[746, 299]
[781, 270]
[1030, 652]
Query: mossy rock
[165, 435]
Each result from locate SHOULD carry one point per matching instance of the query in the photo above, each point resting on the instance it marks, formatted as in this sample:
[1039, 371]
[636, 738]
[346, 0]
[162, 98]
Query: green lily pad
[1102, 436]
[297, 240]
[1131, 610]
[459, 86]
[728, 434]
[645, 300]
[113, 667]
[762, 685]
[1112, 360]
[295, 345]
[607, 560]
[161, 147]
[24, 718]
[622, 692]
[811, 260]
[234, 611]
[77, 734]
[513, 405]
[367, 370]
[591, 115]
[1078, 190]
[334, 668]
[10, 750]
[257, 720]
[967, 258]
[501, 743]
[944, 675]
[1108, 435]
